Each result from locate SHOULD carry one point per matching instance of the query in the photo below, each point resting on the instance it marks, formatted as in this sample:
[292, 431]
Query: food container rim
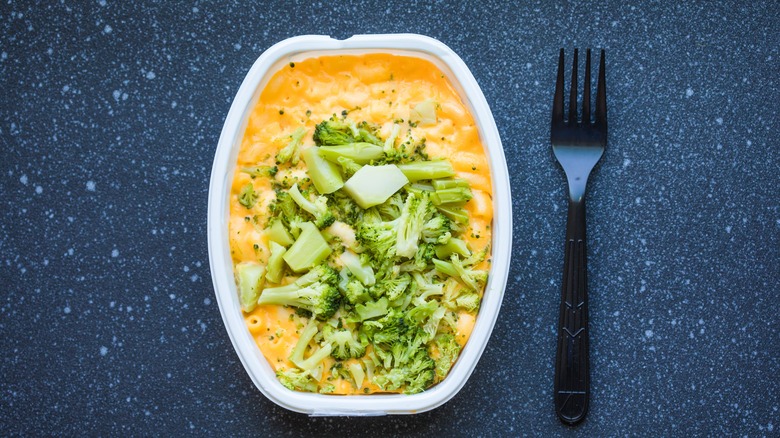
[254, 362]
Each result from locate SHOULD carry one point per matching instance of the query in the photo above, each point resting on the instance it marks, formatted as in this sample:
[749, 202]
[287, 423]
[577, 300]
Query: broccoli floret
[387, 330]
[315, 292]
[248, 196]
[359, 268]
[379, 238]
[410, 224]
[422, 258]
[287, 210]
[389, 146]
[291, 152]
[255, 171]
[371, 309]
[348, 166]
[335, 131]
[355, 292]
[296, 380]
[344, 343]
[391, 209]
[437, 229]
[474, 278]
[447, 351]
[392, 287]
[418, 375]
[345, 208]
[425, 288]
[469, 301]
[319, 208]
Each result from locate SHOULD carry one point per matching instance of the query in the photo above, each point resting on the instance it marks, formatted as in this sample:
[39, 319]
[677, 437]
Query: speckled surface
[109, 119]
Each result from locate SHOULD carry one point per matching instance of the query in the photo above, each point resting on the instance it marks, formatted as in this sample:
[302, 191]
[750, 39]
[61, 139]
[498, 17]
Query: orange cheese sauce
[378, 88]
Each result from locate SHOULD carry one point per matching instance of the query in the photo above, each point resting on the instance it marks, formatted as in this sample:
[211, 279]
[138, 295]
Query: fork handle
[572, 367]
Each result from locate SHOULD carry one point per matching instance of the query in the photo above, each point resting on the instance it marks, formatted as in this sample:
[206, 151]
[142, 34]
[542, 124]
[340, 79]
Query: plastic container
[254, 362]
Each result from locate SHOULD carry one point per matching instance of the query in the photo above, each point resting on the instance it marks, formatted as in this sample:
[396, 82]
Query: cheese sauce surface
[377, 88]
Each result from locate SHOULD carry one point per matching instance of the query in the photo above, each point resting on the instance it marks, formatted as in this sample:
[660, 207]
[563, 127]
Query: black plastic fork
[578, 144]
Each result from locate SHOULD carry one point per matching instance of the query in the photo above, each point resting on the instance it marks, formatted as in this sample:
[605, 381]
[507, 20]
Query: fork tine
[601, 95]
[586, 92]
[573, 95]
[557, 113]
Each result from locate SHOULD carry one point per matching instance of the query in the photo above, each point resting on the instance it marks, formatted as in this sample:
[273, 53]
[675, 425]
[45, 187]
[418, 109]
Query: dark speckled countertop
[109, 119]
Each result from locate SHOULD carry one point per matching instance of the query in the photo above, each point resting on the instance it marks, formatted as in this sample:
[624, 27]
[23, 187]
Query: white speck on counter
[91, 186]
[689, 92]
[115, 253]
[103, 351]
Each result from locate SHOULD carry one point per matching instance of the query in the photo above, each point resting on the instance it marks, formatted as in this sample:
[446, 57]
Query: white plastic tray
[295, 49]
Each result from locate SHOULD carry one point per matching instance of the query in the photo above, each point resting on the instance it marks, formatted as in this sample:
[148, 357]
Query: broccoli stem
[451, 196]
[275, 267]
[454, 212]
[324, 174]
[360, 153]
[446, 268]
[308, 250]
[279, 234]
[305, 337]
[358, 375]
[442, 184]
[418, 170]
[453, 246]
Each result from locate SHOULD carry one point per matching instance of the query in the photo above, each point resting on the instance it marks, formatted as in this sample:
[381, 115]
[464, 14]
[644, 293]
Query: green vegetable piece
[275, 267]
[278, 233]
[358, 375]
[445, 267]
[373, 185]
[314, 292]
[469, 301]
[360, 153]
[448, 351]
[323, 217]
[291, 152]
[345, 344]
[255, 171]
[453, 246]
[296, 380]
[451, 196]
[372, 309]
[418, 170]
[454, 212]
[451, 183]
[411, 224]
[364, 273]
[250, 281]
[308, 250]
[324, 174]
[424, 113]
[248, 196]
